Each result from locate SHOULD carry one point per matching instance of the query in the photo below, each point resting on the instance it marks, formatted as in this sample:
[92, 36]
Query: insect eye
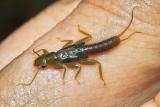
[43, 66]
[35, 63]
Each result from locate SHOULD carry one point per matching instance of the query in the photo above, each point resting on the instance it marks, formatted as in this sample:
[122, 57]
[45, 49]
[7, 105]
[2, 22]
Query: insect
[73, 55]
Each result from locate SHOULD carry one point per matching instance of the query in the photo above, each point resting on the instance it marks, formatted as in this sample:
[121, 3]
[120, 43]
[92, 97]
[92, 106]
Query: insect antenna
[35, 52]
[129, 22]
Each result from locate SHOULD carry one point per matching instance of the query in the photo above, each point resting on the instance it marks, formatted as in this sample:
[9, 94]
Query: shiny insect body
[73, 55]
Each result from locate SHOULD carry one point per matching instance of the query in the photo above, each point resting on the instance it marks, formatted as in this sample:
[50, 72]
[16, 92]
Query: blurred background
[14, 13]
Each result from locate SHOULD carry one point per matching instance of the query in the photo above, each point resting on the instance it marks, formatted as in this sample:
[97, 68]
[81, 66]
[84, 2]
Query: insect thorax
[71, 53]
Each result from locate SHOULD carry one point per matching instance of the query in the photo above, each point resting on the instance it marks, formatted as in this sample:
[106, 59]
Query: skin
[153, 103]
[34, 29]
[131, 70]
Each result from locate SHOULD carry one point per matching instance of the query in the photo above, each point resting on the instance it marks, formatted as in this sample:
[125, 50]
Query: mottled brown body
[72, 55]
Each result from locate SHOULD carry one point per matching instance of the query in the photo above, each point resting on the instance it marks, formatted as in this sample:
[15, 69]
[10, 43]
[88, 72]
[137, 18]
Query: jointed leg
[93, 62]
[59, 65]
[69, 42]
[27, 84]
[77, 74]
[43, 50]
[77, 66]
[83, 40]
[64, 73]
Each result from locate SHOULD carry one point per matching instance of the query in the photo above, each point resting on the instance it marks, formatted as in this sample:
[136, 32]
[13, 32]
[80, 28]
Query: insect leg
[77, 66]
[69, 42]
[59, 65]
[93, 62]
[43, 50]
[83, 40]
[34, 77]
[64, 73]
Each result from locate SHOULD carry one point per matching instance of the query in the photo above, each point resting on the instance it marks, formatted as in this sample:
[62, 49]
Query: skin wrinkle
[145, 86]
[82, 13]
[150, 6]
[147, 22]
[157, 99]
[151, 49]
[142, 43]
[151, 103]
[116, 14]
[153, 12]
[110, 10]
[105, 9]
[67, 97]
[91, 99]
[81, 96]
[140, 18]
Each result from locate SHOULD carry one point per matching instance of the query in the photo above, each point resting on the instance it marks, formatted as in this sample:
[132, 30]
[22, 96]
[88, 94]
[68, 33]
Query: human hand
[131, 70]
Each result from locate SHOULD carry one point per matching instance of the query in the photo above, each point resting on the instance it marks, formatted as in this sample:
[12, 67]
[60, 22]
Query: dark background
[14, 13]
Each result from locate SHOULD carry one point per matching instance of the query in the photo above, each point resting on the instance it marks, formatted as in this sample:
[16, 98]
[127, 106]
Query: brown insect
[72, 55]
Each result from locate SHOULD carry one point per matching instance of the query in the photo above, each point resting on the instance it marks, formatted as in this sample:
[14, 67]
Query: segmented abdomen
[102, 46]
